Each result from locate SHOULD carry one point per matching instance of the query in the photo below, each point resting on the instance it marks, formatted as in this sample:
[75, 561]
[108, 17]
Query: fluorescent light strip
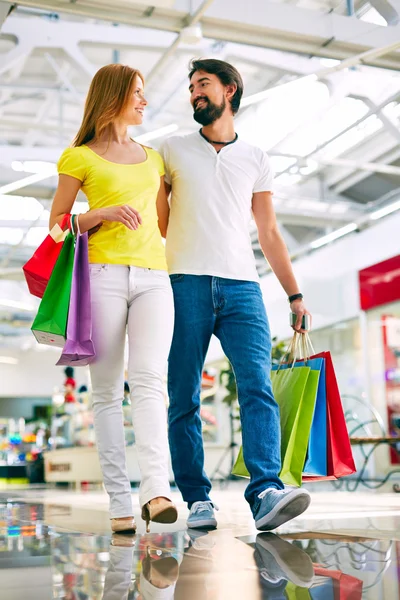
[8, 360]
[157, 133]
[17, 305]
[382, 212]
[260, 96]
[334, 235]
[17, 185]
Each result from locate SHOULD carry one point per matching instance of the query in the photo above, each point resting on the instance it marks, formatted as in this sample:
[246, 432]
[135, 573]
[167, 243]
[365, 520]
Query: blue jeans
[234, 311]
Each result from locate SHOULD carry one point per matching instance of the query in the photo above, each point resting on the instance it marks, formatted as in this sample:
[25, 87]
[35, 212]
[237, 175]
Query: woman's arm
[67, 190]
[163, 206]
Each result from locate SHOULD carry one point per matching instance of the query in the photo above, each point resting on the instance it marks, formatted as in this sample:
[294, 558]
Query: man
[217, 180]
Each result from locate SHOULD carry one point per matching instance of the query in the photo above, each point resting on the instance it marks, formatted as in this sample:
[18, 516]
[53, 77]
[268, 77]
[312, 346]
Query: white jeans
[140, 300]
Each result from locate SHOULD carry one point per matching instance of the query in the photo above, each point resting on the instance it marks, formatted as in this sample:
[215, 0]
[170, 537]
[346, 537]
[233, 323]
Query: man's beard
[209, 113]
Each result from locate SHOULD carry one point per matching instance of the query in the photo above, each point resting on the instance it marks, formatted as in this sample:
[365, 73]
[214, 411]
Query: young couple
[217, 182]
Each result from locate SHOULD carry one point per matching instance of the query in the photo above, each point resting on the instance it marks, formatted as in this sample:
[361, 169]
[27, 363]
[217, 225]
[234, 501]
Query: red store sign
[380, 283]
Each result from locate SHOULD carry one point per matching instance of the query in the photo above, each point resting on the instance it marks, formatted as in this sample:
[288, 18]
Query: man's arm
[275, 250]
[163, 207]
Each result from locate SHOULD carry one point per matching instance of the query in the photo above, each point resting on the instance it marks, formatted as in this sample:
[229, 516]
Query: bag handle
[75, 220]
[300, 347]
[308, 344]
[291, 353]
[66, 222]
[78, 231]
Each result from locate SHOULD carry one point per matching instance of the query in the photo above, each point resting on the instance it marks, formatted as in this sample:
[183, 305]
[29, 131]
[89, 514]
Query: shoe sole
[202, 524]
[169, 515]
[121, 540]
[275, 546]
[126, 530]
[286, 510]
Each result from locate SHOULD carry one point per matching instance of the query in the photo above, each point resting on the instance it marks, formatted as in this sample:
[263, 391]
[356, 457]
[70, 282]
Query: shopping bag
[340, 456]
[345, 587]
[295, 433]
[295, 592]
[50, 324]
[40, 266]
[316, 462]
[295, 390]
[79, 349]
[322, 589]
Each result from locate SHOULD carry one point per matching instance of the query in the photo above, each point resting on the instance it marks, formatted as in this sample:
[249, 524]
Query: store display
[21, 450]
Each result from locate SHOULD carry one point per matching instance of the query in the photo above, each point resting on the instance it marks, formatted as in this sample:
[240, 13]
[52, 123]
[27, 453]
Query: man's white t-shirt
[208, 231]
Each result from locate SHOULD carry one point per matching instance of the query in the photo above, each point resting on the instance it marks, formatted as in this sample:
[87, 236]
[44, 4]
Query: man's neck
[222, 130]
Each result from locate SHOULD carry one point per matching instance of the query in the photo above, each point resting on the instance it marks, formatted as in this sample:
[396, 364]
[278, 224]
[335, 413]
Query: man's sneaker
[279, 561]
[202, 516]
[279, 506]
[200, 541]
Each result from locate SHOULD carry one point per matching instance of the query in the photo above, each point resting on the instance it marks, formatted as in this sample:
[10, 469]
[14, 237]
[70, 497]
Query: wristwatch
[295, 297]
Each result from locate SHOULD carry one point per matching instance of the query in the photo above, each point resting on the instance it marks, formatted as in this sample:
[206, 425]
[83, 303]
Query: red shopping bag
[38, 269]
[345, 587]
[340, 455]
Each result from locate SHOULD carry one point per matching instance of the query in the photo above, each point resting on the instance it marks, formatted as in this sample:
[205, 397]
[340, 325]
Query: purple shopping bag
[78, 349]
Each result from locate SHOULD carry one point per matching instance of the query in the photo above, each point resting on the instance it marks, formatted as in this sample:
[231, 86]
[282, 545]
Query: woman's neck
[116, 133]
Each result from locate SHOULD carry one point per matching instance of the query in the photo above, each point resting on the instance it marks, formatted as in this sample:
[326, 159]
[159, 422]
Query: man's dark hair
[226, 73]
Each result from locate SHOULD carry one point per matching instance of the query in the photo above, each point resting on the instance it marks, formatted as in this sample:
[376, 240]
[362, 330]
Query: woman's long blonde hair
[108, 95]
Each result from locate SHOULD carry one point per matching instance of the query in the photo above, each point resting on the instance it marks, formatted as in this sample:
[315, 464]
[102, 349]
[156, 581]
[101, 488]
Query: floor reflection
[38, 561]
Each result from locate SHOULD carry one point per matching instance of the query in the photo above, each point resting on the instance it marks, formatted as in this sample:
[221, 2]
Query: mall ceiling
[322, 97]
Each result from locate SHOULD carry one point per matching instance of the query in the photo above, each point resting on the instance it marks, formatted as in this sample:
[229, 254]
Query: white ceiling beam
[5, 10]
[390, 124]
[389, 9]
[356, 165]
[13, 58]
[62, 76]
[393, 98]
[55, 34]
[77, 56]
[378, 147]
[292, 28]
[354, 178]
[258, 23]
[189, 22]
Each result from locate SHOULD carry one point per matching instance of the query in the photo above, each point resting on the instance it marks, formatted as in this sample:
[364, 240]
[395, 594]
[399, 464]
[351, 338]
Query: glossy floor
[58, 545]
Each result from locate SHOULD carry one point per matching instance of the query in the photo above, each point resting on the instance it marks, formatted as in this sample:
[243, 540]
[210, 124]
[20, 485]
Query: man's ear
[231, 90]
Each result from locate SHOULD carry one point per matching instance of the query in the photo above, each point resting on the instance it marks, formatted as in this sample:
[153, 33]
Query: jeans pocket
[159, 273]
[176, 277]
[95, 270]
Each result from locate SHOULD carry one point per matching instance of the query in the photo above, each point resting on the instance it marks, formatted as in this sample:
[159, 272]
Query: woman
[130, 287]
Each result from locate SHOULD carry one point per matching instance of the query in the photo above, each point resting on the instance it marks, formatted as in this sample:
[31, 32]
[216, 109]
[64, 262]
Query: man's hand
[94, 229]
[297, 307]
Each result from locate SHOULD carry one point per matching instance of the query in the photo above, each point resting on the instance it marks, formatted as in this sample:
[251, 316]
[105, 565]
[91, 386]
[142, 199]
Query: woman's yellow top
[107, 183]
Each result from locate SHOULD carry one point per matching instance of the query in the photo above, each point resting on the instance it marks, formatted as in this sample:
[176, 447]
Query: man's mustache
[199, 100]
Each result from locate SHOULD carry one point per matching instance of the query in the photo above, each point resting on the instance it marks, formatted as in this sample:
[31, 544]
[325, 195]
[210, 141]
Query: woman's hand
[297, 307]
[125, 214]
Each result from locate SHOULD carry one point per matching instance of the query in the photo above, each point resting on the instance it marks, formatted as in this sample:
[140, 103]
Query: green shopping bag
[295, 390]
[295, 592]
[50, 324]
[295, 421]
